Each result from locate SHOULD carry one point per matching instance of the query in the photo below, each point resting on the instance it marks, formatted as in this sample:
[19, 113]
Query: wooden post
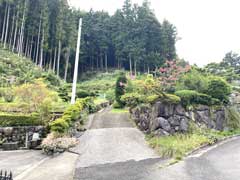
[74, 86]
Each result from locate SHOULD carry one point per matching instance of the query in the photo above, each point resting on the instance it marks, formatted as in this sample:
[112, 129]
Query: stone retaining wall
[165, 119]
[18, 134]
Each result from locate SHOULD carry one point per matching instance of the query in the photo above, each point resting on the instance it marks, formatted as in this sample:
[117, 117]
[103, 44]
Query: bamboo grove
[46, 31]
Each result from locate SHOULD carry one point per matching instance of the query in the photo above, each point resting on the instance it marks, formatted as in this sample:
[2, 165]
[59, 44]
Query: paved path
[219, 163]
[33, 165]
[112, 142]
[119, 152]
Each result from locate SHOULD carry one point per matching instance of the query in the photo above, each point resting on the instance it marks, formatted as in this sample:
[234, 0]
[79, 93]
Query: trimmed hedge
[171, 99]
[189, 97]
[72, 114]
[132, 99]
[9, 120]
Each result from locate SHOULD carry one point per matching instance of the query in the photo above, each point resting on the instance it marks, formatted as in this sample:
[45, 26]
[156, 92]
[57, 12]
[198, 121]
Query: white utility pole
[74, 85]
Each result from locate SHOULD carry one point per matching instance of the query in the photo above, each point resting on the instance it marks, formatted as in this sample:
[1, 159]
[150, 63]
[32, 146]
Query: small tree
[120, 89]
[170, 73]
[35, 95]
[218, 88]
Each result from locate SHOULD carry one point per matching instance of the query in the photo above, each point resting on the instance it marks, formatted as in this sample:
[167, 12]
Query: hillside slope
[17, 70]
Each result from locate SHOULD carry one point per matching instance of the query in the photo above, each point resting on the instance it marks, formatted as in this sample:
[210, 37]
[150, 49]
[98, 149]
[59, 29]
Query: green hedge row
[189, 97]
[9, 120]
[72, 114]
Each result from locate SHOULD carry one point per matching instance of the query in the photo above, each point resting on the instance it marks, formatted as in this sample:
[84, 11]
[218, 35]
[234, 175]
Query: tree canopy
[46, 32]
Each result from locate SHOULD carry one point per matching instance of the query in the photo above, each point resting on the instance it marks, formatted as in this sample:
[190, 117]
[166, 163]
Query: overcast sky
[208, 28]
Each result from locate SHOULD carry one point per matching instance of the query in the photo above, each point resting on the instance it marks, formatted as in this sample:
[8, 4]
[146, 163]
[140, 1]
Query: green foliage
[63, 93]
[17, 70]
[60, 125]
[189, 97]
[132, 99]
[35, 94]
[8, 95]
[51, 79]
[116, 105]
[218, 88]
[110, 95]
[84, 93]
[177, 145]
[152, 98]
[193, 80]
[120, 89]
[171, 99]
[8, 120]
[233, 118]
[72, 114]
[133, 31]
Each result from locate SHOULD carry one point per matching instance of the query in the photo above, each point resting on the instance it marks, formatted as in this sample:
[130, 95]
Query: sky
[208, 28]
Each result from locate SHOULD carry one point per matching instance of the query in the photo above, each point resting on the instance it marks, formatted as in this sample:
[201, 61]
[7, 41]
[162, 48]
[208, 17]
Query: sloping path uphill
[113, 149]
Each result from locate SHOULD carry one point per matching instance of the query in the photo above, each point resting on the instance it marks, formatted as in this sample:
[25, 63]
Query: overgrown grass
[179, 145]
[118, 110]
[100, 100]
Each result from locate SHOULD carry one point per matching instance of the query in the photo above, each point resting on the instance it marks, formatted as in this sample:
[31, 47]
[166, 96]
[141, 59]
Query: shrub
[193, 80]
[84, 93]
[110, 95]
[34, 94]
[60, 125]
[132, 99]
[72, 114]
[63, 94]
[52, 79]
[8, 95]
[120, 89]
[218, 88]
[116, 105]
[172, 99]
[19, 120]
[152, 98]
[189, 97]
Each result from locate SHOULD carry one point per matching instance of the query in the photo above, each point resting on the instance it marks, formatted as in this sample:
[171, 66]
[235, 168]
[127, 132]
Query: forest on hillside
[46, 31]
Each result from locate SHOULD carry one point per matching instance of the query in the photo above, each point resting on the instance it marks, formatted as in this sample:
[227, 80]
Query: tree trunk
[106, 62]
[18, 40]
[15, 33]
[97, 63]
[38, 40]
[22, 30]
[41, 53]
[118, 63]
[4, 24]
[148, 70]
[34, 51]
[12, 30]
[54, 60]
[67, 62]
[26, 47]
[135, 68]
[130, 64]
[59, 55]
[101, 62]
[31, 47]
[50, 60]
[6, 34]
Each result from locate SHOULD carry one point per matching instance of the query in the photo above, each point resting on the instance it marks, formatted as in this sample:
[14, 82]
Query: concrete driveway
[33, 165]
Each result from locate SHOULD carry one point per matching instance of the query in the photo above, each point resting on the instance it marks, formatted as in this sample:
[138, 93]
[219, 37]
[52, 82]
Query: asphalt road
[111, 147]
[120, 153]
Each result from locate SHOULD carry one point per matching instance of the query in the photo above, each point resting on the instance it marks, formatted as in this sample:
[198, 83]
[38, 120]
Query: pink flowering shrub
[170, 73]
